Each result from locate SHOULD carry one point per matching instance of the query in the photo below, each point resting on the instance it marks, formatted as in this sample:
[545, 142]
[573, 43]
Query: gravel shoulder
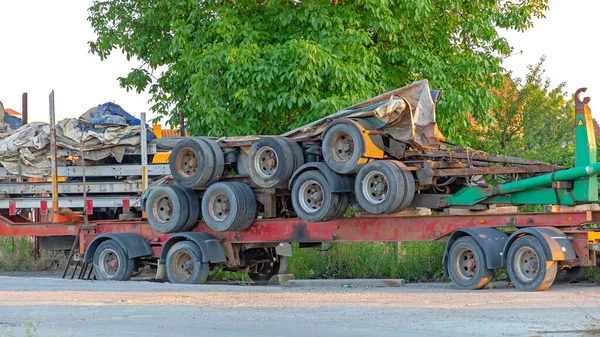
[134, 308]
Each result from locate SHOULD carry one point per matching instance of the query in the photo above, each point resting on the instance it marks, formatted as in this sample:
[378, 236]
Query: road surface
[138, 308]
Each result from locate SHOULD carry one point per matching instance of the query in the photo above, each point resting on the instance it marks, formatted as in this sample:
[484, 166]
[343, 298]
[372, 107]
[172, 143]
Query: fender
[284, 249]
[555, 243]
[491, 241]
[133, 244]
[338, 183]
[211, 249]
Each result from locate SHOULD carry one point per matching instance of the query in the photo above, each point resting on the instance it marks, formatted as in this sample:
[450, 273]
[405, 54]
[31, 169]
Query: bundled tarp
[407, 114]
[104, 131]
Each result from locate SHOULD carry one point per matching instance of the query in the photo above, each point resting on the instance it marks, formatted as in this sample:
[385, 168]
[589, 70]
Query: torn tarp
[105, 131]
[407, 114]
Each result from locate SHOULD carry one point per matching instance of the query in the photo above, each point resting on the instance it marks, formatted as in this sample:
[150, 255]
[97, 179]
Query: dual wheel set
[322, 180]
[526, 263]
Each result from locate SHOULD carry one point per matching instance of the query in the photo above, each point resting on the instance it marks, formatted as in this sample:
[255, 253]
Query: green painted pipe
[473, 195]
[546, 179]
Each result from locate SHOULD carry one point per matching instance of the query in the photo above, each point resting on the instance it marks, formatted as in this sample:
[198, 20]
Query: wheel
[312, 198]
[167, 208]
[528, 266]
[466, 264]
[111, 262]
[343, 147]
[271, 162]
[184, 264]
[381, 187]
[218, 160]
[194, 210]
[262, 272]
[226, 207]
[192, 163]
[571, 275]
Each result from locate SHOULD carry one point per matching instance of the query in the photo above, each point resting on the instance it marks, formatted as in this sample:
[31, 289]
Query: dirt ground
[57, 307]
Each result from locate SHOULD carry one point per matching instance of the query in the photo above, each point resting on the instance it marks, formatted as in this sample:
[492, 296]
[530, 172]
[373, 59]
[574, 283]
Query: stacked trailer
[256, 195]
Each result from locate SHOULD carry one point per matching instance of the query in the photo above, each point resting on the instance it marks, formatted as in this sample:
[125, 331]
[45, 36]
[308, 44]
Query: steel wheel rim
[466, 264]
[311, 196]
[342, 147]
[182, 265]
[162, 209]
[266, 161]
[375, 187]
[526, 264]
[109, 262]
[187, 162]
[219, 206]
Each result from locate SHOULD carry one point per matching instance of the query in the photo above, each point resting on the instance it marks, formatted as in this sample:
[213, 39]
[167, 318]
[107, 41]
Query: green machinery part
[566, 187]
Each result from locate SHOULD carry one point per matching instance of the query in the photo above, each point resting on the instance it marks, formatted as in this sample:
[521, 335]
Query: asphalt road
[138, 308]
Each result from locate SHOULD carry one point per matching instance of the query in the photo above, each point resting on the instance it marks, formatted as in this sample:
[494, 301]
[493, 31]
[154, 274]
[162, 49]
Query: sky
[44, 47]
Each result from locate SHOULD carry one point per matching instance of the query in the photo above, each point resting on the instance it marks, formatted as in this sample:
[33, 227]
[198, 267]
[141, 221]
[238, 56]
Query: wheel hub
[311, 196]
[109, 263]
[162, 209]
[342, 147]
[219, 207]
[526, 264]
[466, 265]
[187, 162]
[375, 187]
[266, 161]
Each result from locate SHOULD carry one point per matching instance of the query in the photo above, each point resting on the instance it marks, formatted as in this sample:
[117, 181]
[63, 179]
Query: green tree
[241, 67]
[533, 120]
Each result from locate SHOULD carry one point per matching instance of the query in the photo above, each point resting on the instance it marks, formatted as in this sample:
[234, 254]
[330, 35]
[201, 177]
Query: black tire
[343, 147]
[167, 208]
[527, 265]
[242, 164]
[111, 262]
[194, 210]
[184, 264]
[380, 187]
[271, 162]
[344, 201]
[466, 264]
[306, 191]
[225, 207]
[263, 272]
[192, 163]
[297, 153]
[572, 275]
[219, 160]
[250, 208]
[409, 183]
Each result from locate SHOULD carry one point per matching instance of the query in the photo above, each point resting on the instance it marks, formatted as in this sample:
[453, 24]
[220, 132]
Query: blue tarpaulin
[111, 113]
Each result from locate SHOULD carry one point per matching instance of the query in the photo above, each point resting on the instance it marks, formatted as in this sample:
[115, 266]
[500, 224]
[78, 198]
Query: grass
[17, 255]
[414, 261]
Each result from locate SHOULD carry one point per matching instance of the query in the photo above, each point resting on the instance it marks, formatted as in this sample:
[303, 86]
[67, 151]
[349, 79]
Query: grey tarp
[407, 114]
[24, 152]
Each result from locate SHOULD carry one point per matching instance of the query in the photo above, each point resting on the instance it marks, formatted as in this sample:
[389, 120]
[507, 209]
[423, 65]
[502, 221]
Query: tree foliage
[533, 120]
[242, 67]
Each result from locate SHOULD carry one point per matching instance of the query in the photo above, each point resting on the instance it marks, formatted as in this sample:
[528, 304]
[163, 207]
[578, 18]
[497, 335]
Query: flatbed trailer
[479, 238]
[564, 241]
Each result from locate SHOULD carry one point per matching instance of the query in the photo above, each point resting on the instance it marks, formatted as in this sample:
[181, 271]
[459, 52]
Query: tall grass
[415, 261]
[17, 255]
